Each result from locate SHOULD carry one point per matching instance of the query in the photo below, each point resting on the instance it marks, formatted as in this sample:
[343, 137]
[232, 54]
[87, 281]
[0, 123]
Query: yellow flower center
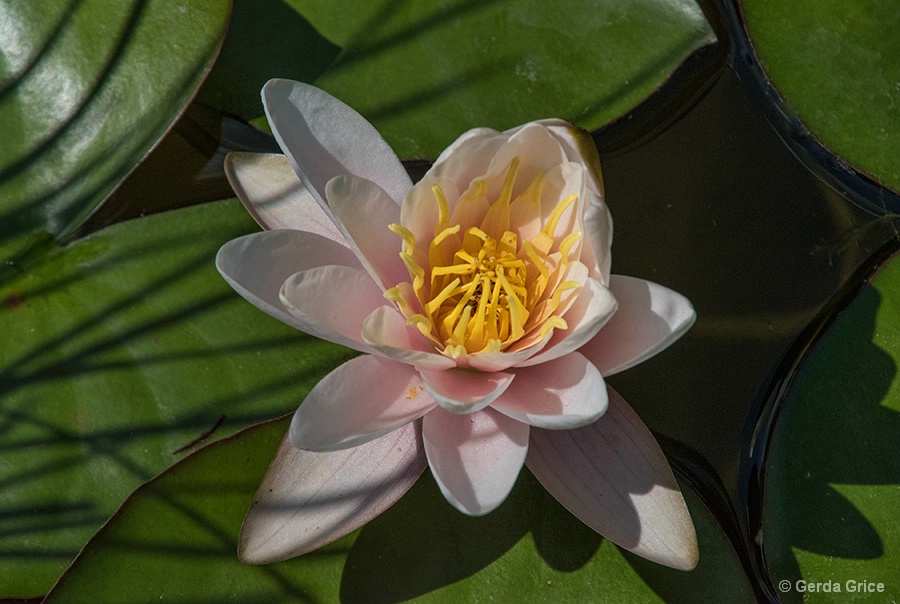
[483, 290]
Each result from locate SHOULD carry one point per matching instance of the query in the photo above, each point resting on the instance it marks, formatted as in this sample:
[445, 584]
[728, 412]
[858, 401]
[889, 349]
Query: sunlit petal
[324, 138]
[614, 477]
[308, 499]
[650, 317]
[475, 458]
[344, 410]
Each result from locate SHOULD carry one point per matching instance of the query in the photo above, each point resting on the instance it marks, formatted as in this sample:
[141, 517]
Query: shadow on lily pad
[831, 490]
[422, 544]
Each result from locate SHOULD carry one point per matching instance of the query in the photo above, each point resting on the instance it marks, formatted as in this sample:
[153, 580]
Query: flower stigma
[486, 288]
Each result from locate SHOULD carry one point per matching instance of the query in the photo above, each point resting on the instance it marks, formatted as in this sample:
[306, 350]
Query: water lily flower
[483, 301]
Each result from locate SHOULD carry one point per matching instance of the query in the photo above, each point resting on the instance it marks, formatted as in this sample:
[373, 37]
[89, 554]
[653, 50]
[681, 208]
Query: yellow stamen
[484, 288]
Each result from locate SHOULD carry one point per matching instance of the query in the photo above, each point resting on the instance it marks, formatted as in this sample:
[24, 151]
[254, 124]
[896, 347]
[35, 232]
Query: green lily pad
[832, 488]
[835, 65]
[184, 524]
[119, 351]
[87, 87]
[424, 71]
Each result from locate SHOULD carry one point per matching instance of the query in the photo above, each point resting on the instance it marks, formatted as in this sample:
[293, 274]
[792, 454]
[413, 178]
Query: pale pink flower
[483, 301]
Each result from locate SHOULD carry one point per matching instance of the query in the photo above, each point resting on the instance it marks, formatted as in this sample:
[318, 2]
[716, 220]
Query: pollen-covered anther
[483, 289]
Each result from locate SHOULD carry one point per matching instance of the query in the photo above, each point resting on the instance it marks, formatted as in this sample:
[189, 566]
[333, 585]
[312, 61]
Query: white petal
[560, 395]
[273, 194]
[475, 458]
[592, 309]
[325, 138]
[331, 302]
[257, 265]
[598, 229]
[359, 401]
[650, 318]
[614, 477]
[308, 500]
[463, 390]
[363, 212]
[467, 158]
[386, 331]
[501, 361]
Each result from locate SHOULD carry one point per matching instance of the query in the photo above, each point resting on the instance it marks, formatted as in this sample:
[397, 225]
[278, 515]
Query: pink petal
[359, 401]
[580, 147]
[325, 138]
[257, 265]
[614, 477]
[559, 395]
[536, 148]
[462, 390]
[650, 318]
[592, 309]
[598, 230]
[386, 331]
[467, 157]
[364, 211]
[475, 458]
[270, 190]
[308, 500]
[331, 302]
[501, 361]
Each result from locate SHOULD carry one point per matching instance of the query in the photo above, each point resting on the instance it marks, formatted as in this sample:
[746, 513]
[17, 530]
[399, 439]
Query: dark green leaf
[835, 64]
[184, 525]
[119, 350]
[831, 491]
[87, 87]
[423, 72]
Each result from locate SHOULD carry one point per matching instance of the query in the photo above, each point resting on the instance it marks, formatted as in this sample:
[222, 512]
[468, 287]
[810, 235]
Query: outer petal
[560, 395]
[308, 500]
[614, 477]
[386, 331]
[475, 458]
[592, 309]
[325, 138]
[257, 265]
[270, 190]
[331, 302]
[359, 401]
[464, 390]
[649, 319]
[363, 212]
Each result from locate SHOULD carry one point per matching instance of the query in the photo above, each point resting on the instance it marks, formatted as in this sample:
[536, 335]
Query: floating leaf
[119, 352]
[425, 71]
[184, 524]
[832, 487]
[87, 87]
[835, 66]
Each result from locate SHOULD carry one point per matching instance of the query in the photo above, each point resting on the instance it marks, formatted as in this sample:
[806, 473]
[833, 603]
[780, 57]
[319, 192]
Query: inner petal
[482, 288]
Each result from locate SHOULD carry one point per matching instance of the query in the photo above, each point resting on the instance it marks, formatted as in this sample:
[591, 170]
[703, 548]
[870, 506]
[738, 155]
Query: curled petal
[650, 318]
[331, 302]
[559, 395]
[308, 500]
[273, 194]
[463, 390]
[361, 400]
[282, 253]
[614, 477]
[386, 331]
[325, 138]
[363, 212]
[501, 361]
[591, 310]
[475, 458]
